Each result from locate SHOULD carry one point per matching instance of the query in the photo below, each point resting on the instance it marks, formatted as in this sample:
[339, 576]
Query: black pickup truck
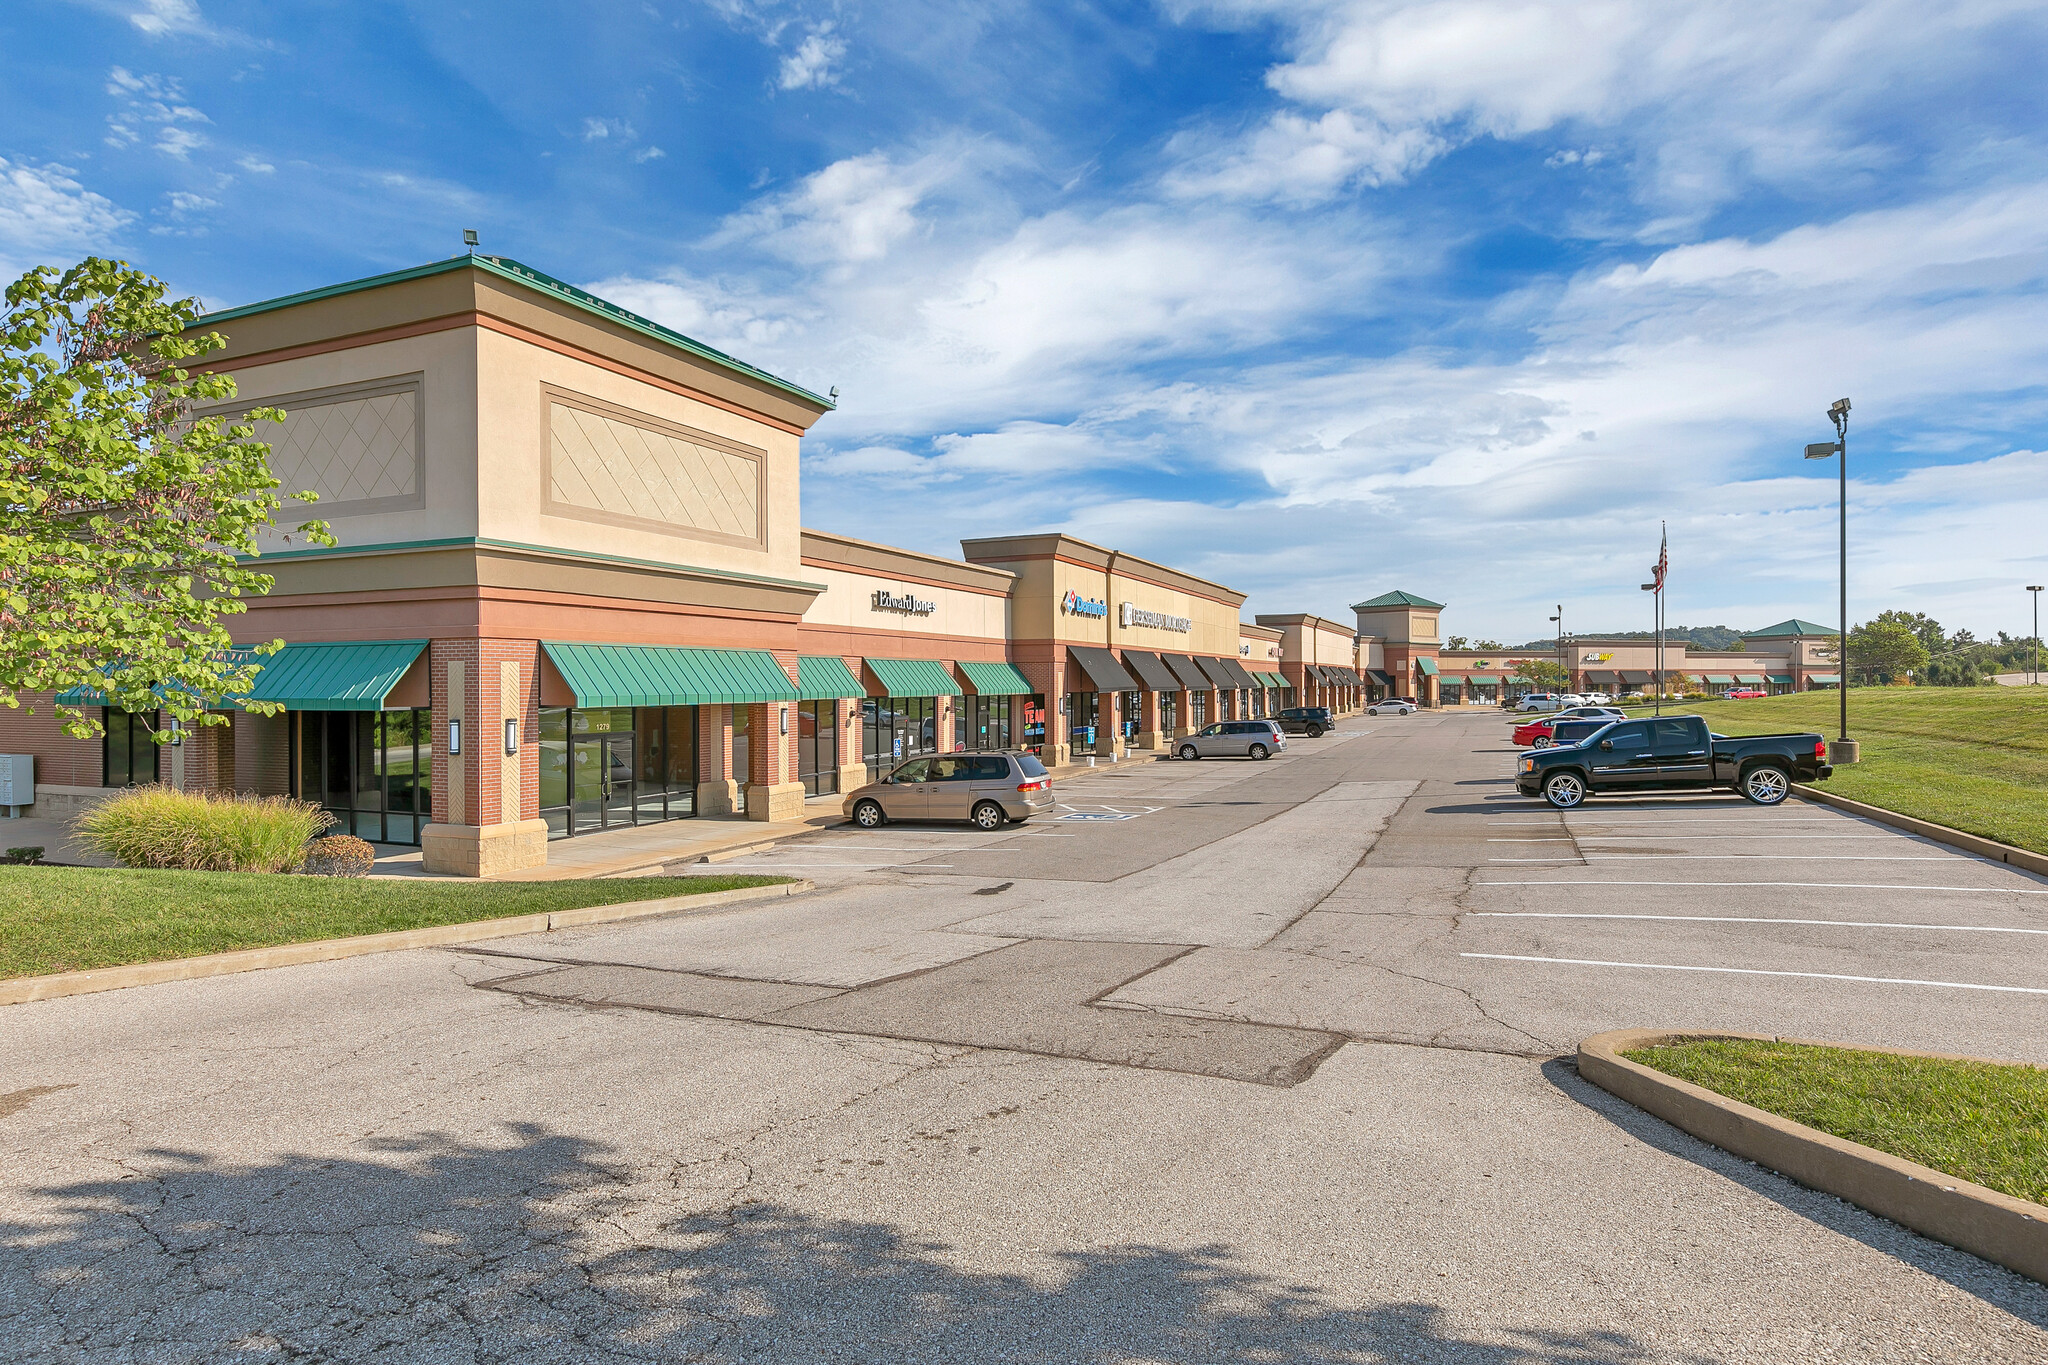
[1671, 753]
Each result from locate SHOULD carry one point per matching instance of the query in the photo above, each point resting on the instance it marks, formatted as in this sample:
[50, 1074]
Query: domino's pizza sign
[1073, 604]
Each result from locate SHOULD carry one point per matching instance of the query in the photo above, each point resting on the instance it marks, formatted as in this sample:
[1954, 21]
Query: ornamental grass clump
[202, 832]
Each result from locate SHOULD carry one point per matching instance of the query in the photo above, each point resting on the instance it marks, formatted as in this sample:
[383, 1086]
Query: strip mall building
[570, 593]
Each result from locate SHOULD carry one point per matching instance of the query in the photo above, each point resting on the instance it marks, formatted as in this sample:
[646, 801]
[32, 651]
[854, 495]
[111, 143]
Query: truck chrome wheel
[1564, 790]
[1766, 786]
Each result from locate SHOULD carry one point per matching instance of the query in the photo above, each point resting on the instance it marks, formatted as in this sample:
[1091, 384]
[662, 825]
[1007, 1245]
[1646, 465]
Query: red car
[1537, 733]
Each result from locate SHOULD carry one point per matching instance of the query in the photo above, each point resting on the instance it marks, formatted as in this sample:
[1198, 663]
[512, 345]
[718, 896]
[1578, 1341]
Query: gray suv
[985, 789]
[1234, 739]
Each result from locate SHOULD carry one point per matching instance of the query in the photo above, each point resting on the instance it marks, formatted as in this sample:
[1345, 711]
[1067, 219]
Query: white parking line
[858, 867]
[1754, 919]
[885, 848]
[1759, 971]
[1813, 886]
[1738, 858]
[1600, 838]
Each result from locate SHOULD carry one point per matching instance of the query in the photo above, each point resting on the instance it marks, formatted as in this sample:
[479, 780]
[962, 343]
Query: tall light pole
[2035, 588]
[1558, 621]
[1844, 749]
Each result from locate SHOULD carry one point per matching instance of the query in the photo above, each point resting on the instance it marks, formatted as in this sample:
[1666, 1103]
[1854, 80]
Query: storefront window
[896, 728]
[1034, 723]
[609, 767]
[371, 770]
[1198, 709]
[1132, 707]
[990, 723]
[1083, 712]
[128, 750]
[817, 746]
[1169, 712]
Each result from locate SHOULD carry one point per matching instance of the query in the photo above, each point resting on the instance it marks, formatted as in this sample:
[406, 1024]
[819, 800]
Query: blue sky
[1318, 299]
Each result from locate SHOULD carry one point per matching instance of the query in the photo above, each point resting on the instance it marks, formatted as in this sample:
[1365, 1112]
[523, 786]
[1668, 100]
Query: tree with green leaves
[1885, 651]
[1548, 674]
[1925, 628]
[122, 513]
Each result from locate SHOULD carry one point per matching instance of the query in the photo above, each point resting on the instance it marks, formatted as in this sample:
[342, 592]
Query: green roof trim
[996, 680]
[915, 678]
[1791, 629]
[520, 273]
[1397, 599]
[668, 675]
[826, 678]
[340, 675]
[1428, 667]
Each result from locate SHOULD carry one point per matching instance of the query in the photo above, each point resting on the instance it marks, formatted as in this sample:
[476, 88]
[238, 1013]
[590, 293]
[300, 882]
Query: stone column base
[775, 801]
[718, 798]
[483, 850]
[1150, 740]
[1054, 756]
[852, 775]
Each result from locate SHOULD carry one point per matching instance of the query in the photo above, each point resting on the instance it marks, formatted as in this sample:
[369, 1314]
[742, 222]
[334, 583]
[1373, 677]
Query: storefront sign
[1137, 616]
[904, 602]
[1073, 604]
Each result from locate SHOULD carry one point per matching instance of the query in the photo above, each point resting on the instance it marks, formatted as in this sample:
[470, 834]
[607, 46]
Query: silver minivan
[986, 789]
[1235, 739]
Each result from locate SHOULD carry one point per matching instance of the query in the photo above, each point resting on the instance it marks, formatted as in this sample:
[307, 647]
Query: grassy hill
[1972, 758]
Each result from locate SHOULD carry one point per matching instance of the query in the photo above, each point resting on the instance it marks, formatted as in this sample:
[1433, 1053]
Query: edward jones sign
[1129, 615]
[906, 603]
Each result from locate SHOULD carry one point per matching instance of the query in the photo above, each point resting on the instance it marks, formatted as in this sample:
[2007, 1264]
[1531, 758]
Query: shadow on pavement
[1994, 1284]
[545, 1251]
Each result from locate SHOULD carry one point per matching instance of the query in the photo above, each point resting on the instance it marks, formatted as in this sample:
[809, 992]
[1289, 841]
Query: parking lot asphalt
[1221, 1061]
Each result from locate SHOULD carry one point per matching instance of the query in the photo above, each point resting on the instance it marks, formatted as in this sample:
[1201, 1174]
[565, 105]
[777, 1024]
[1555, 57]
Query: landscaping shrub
[338, 855]
[200, 831]
[27, 854]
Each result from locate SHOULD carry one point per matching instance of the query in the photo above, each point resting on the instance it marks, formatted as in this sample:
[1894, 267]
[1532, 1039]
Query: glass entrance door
[604, 782]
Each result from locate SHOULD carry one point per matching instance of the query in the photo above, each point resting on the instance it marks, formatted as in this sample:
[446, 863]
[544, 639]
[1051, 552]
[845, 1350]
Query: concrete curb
[2012, 1232]
[1955, 838]
[22, 990]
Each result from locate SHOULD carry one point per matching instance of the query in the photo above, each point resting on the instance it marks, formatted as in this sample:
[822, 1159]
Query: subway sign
[1129, 615]
[1073, 604]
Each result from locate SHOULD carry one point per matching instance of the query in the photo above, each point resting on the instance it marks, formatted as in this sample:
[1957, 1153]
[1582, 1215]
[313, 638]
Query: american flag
[1663, 559]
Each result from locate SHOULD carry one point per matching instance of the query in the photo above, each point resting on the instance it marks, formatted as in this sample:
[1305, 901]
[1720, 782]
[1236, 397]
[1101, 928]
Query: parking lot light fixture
[1838, 414]
[2035, 588]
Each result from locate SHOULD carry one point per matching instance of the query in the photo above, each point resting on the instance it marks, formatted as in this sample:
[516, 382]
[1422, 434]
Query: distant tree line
[1896, 645]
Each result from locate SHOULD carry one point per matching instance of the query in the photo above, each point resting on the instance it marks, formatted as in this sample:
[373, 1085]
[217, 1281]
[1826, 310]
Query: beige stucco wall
[848, 603]
[448, 431]
[1212, 625]
[1258, 648]
[512, 433]
[1401, 625]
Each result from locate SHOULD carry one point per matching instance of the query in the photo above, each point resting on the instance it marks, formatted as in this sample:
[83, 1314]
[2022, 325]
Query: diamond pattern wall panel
[350, 449]
[605, 464]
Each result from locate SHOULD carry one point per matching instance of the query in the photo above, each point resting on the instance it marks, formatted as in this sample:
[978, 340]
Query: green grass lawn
[62, 919]
[1981, 1121]
[1972, 758]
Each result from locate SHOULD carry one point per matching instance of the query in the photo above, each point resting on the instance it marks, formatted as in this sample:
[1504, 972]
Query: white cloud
[159, 18]
[810, 66]
[255, 165]
[647, 154]
[1711, 93]
[153, 101]
[602, 129]
[46, 212]
[852, 210]
[182, 203]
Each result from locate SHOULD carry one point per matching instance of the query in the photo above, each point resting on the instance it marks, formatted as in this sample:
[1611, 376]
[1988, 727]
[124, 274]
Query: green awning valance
[996, 680]
[914, 678]
[825, 677]
[1784, 678]
[1720, 680]
[335, 675]
[1753, 679]
[1824, 677]
[1271, 680]
[668, 675]
[1428, 666]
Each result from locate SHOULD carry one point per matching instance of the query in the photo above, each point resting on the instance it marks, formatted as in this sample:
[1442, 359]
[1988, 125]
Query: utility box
[17, 781]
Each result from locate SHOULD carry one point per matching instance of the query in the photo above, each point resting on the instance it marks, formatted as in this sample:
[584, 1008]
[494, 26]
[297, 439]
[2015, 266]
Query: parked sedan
[1258, 739]
[988, 790]
[1537, 734]
[1392, 706]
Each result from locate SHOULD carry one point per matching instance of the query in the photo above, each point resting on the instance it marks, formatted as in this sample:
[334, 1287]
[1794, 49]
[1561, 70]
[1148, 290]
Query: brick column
[486, 802]
[717, 791]
[1148, 722]
[773, 791]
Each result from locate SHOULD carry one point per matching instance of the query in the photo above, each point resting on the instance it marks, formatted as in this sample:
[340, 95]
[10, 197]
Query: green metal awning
[1781, 677]
[1474, 680]
[915, 678]
[667, 675]
[1428, 667]
[996, 680]
[1720, 680]
[1824, 677]
[1752, 679]
[825, 677]
[335, 676]
[1271, 680]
